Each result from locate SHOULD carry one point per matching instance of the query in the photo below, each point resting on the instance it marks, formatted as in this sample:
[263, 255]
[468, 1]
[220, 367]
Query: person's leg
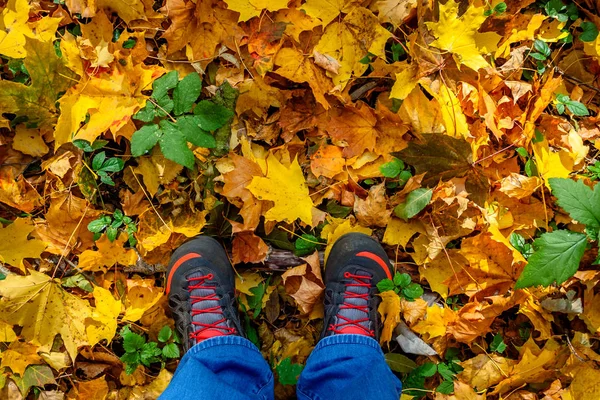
[348, 363]
[219, 362]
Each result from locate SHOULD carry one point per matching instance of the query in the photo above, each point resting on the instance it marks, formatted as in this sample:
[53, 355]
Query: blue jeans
[341, 367]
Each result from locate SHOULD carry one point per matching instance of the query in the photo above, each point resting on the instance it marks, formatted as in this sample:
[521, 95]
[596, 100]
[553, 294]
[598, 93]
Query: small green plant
[500, 8]
[540, 55]
[306, 244]
[498, 344]
[191, 121]
[397, 172]
[414, 383]
[557, 254]
[519, 243]
[138, 351]
[593, 171]
[575, 107]
[288, 372]
[101, 165]
[590, 32]
[530, 167]
[402, 285]
[112, 225]
[557, 9]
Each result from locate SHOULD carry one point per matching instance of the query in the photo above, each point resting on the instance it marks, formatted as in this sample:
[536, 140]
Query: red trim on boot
[187, 257]
[378, 260]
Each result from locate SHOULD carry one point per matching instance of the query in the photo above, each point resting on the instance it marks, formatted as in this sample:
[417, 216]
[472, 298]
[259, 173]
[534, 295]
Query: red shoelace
[199, 282]
[357, 281]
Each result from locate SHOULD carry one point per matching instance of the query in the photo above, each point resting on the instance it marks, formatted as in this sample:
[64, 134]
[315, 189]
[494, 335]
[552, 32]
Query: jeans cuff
[348, 339]
[225, 340]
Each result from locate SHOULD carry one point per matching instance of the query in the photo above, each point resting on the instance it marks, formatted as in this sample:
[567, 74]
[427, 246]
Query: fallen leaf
[373, 210]
[248, 248]
[389, 310]
[19, 355]
[96, 389]
[287, 188]
[485, 370]
[103, 323]
[15, 245]
[108, 254]
[305, 284]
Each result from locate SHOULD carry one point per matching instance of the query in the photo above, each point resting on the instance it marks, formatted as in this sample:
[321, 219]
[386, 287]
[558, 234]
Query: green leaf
[337, 210]
[402, 280]
[132, 341]
[498, 344]
[79, 281]
[576, 198]
[590, 32]
[211, 116]
[287, 372]
[384, 285]
[99, 224]
[112, 233]
[174, 145]
[522, 151]
[392, 169]
[538, 56]
[129, 43]
[189, 126]
[147, 113]
[415, 202]
[531, 168]
[170, 351]
[105, 178]
[165, 334]
[542, 47]
[164, 106]
[113, 164]
[144, 139]
[556, 258]
[445, 371]
[306, 244]
[186, 93]
[162, 85]
[255, 301]
[150, 353]
[560, 107]
[427, 370]
[412, 291]
[577, 108]
[83, 145]
[98, 160]
[446, 387]
[400, 363]
[500, 8]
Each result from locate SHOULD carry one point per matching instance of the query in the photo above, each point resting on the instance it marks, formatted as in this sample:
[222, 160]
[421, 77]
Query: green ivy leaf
[576, 198]
[144, 139]
[212, 116]
[189, 125]
[498, 344]
[590, 32]
[165, 334]
[392, 169]
[186, 93]
[162, 85]
[415, 202]
[113, 164]
[412, 291]
[287, 372]
[542, 47]
[98, 160]
[384, 285]
[170, 351]
[556, 258]
[174, 145]
[446, 387]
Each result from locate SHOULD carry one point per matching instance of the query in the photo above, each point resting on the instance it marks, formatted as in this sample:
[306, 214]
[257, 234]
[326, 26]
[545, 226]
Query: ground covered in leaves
[463, 135]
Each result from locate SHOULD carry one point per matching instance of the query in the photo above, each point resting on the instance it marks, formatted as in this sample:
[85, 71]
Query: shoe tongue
[354, 314]
[207, 317]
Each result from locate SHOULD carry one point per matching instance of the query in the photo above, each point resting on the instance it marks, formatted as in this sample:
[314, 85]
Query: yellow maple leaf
[15, 245]
[434, 324]
[252, 8]
[348, 41]
[287, 188]
[104, 317]
[297, 67]
[534, 22]
[142, 295]
[326, 11]
[585, 384]
[399, 232]
[246, 281]
[44, 309]
[551, 164]
[389, 309]
[458, 34]
[19, 356]
[406, 81]
[108, 254]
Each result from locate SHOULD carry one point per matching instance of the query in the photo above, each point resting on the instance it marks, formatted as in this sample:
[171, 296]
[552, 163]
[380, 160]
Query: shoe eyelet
[210, 276]
[346, 275]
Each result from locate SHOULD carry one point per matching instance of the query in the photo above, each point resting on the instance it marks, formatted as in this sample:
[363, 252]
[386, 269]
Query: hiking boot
[201, 290]
[355, 265]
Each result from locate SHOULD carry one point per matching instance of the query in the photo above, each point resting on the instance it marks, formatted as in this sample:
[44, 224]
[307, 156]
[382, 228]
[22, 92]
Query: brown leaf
[304, 283]
[134, 204]
[373, 210]
[248, 248]
[354, 129]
